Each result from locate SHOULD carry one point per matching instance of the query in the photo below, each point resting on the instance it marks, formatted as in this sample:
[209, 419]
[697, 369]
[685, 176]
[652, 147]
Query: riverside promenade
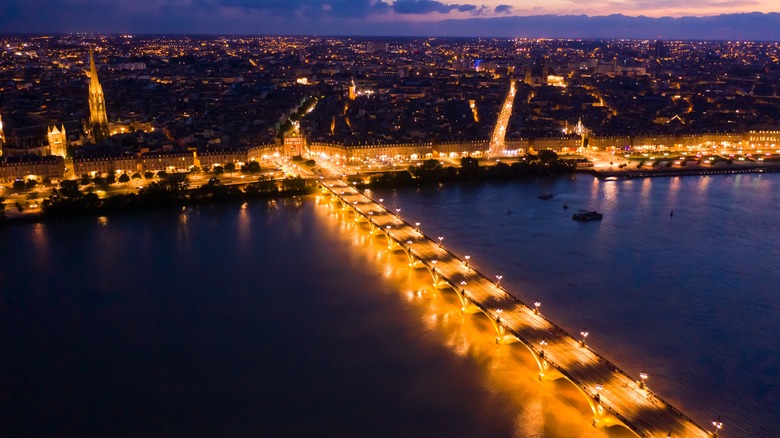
[614, 397]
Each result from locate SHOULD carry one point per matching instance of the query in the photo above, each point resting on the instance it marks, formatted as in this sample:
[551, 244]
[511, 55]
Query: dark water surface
[222, 321]
[286, 320]
[693, 297]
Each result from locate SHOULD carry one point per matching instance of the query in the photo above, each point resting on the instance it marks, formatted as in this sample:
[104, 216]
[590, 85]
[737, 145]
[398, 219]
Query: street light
[537, 304]
[643, 376]
[718, 425]
[498, 279]
[467, 260]
[584, 335]
[417, 226]
[440, 239]
[542, 343]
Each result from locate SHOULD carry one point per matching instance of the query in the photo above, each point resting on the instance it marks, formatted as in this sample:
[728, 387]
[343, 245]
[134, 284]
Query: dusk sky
[383, 17]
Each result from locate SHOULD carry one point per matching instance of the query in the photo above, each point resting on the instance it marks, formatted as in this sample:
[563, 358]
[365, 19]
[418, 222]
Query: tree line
[432, 171]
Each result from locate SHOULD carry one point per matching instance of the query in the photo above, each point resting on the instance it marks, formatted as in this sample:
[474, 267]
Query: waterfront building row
[52, 166]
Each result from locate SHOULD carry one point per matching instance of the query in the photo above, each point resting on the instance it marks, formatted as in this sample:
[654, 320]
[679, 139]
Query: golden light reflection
[40, 238]
[537, 408]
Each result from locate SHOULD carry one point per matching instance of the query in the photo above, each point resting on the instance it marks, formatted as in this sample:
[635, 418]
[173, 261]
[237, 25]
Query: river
[286, 318]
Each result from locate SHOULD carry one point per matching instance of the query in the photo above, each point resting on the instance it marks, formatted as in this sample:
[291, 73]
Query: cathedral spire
[98, 121]
[92, 68]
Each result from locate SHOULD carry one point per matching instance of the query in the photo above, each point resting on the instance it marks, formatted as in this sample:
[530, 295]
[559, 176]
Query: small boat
[545, 196]
[585, 216]
[565, 206]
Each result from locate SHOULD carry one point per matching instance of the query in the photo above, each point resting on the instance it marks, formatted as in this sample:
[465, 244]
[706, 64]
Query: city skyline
[756, 20]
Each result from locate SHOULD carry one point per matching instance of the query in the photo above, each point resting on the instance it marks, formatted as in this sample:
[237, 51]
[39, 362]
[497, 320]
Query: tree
[19, 184]
[469, 163]
[85, 180]
[219, 170]
[176, 183]
[136, 175]
[547, 156]
[230, 167]
[70, 189]
[251, 167]
[30, 184]
[123, 178]
[430, 165]
[111, 177]
[162, 174]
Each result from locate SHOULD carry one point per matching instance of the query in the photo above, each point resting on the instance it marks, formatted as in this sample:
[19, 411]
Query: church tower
[98, 121]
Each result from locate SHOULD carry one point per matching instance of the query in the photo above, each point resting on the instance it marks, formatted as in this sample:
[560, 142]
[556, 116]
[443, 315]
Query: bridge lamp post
[584, 336]
[440, 239]
[542, 343]
[718, 425]
[643, 376]
[397, 212]
[536, 307]
[467, 257]
[498, 280]
[599, 387]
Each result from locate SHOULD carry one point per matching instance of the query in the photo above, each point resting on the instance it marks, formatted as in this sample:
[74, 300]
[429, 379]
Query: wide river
[286, 318]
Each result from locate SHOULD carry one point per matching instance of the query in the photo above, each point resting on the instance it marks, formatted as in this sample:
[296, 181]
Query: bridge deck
[642, 411]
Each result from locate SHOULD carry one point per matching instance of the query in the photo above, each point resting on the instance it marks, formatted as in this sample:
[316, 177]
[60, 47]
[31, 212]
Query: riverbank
[170, 192]
[652, 172]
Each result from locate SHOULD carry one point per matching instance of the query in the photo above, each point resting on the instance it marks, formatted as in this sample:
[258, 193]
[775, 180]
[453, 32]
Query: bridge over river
[614, 398]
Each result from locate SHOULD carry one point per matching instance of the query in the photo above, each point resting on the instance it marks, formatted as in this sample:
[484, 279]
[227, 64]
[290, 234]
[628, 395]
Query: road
[499, 132]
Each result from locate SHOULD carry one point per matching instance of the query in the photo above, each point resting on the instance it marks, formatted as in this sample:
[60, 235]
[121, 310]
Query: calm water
[288, 320]
[694, 297]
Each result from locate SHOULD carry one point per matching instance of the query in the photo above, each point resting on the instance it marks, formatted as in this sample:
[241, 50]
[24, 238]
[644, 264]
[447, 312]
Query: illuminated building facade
[58, 140]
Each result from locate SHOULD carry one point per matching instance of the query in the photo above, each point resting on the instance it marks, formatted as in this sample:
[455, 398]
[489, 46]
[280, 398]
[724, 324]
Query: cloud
[312, 8]
[503, 9]
[429, 6]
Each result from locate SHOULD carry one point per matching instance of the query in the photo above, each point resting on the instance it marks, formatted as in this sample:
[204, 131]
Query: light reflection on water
[300, 309]
[693, 296]
[536, 408]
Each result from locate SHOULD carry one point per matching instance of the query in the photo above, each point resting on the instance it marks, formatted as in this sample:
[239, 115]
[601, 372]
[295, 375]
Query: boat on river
[585, 216]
